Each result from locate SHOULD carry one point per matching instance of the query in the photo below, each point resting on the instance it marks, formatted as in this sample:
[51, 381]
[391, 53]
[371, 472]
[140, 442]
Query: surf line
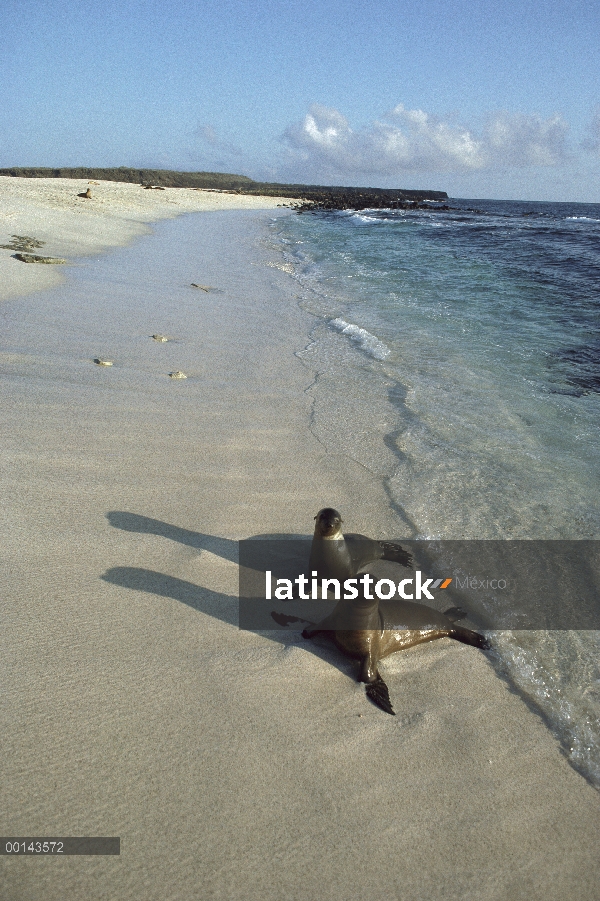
[385, 589]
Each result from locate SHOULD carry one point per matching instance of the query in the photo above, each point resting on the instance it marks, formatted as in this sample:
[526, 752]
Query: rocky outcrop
[33, 258]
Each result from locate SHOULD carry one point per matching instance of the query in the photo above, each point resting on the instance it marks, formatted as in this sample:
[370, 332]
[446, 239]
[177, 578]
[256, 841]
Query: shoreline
[51, 211]
[249, 764]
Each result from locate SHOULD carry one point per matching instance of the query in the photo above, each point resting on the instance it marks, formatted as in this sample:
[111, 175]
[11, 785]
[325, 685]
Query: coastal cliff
[312, 196]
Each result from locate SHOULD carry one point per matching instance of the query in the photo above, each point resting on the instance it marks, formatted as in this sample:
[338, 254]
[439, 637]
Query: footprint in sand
[100, 362]
[177, 375]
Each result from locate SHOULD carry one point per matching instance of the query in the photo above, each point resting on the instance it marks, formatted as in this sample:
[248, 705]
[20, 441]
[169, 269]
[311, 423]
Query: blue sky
[482, 99]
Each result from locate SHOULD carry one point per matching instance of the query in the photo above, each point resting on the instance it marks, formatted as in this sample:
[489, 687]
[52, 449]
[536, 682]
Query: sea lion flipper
[377, 692]
[395, 552]
[365, 550]
[467, 636]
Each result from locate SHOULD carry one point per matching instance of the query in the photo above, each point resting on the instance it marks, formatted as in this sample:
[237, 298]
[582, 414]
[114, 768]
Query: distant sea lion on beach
[86, 194]
[337, 556]
[369, 630]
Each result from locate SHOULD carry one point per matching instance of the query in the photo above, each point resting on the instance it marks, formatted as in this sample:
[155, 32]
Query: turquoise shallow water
[457, 356]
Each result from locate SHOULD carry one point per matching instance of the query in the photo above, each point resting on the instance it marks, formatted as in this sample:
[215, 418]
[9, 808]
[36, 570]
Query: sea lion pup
[337, 556]
[86, 194]
[372, 629]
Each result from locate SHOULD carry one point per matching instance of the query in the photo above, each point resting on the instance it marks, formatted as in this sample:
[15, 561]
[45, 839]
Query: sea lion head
[328, 523]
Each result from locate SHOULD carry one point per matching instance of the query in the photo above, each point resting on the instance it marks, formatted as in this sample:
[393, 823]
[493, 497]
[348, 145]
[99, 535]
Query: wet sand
[52, 211]
[231, 764]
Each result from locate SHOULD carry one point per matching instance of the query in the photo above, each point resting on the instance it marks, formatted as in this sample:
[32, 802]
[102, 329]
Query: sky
[477, 98]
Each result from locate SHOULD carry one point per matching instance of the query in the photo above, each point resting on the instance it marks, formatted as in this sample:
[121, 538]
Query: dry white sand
[232, 765]
[50, 210]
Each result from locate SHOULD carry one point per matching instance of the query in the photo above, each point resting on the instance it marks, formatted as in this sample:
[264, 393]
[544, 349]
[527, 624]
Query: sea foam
[365, 340]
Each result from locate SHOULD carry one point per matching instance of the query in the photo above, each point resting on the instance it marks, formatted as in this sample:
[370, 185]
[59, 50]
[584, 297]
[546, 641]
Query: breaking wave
[365, 340]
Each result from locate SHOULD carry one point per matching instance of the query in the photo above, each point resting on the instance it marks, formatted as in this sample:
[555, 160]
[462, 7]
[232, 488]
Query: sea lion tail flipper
[393, 551]
[378, 693]
[469, 637]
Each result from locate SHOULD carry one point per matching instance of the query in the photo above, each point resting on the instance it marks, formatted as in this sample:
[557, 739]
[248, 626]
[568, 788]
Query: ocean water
[457, 357]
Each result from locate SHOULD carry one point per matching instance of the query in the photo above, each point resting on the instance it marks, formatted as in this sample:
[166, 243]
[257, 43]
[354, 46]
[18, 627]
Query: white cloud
[413, 140]
[514, 139]
[431, 144]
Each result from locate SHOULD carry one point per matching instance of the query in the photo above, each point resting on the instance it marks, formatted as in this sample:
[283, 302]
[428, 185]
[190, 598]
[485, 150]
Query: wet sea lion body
[369, 630]
[334, 555]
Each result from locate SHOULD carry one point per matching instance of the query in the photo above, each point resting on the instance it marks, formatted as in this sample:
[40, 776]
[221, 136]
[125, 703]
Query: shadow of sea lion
[133, 522]
[213, 603]
[220, 547]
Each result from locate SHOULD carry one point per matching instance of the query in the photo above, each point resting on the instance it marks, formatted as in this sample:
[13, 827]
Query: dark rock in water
[33, 258]
[375, 199]
[23, 242]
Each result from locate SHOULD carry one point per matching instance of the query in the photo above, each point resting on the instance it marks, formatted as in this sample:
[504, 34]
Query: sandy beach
[52, 211]
[233, 765]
